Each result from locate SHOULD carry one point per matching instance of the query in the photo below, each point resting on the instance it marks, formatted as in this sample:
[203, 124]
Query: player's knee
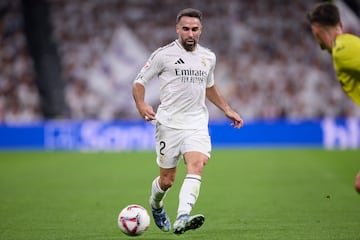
[201, 164]
[197, 167]
[357, 185]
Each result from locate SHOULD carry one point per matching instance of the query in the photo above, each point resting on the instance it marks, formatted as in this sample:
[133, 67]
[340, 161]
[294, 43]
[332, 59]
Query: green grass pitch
[245, 194]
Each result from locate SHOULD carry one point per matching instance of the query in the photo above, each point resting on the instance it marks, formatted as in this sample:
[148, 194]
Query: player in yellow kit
[327, 29]
[346, 57]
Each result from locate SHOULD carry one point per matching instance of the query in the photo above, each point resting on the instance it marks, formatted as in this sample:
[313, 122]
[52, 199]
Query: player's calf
[357, 183]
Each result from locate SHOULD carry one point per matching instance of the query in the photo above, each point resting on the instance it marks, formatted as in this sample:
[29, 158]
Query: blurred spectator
[18, 95]
[268, 65]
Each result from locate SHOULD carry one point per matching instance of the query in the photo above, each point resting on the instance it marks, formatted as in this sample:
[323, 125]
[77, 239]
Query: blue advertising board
[139, 135]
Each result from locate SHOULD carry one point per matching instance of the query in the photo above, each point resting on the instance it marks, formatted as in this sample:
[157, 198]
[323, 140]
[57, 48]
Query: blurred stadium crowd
[268, 64]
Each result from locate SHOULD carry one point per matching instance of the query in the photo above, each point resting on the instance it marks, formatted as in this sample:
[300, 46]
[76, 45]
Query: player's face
[321, 36]
[189, 31]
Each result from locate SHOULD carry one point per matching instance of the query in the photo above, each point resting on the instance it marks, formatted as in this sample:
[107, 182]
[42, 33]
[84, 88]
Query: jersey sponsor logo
[191, 75]
[190, 72]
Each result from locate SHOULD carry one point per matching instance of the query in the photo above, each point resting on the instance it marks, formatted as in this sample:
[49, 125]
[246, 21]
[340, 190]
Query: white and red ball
[134, 220]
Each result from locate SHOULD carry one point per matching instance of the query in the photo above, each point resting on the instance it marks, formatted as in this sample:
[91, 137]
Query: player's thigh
[197, 141]
[196, 150]
[168, 146]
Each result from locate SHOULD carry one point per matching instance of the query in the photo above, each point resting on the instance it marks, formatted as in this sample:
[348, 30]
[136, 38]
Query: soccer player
[344, 48]
[185, 70]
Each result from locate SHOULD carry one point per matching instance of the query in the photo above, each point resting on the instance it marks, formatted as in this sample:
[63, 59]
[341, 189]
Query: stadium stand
[268, 63]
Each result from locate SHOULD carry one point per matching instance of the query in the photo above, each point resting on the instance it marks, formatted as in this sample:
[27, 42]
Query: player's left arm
[214, 95]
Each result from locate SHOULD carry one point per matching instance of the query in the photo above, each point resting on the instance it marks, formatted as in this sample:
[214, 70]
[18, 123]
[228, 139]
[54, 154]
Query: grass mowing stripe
[246, 194]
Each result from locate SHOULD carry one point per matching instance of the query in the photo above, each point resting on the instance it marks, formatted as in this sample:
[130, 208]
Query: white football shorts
[171, 144]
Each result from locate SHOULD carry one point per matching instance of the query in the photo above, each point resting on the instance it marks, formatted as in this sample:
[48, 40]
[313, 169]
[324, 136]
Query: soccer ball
[134, 220]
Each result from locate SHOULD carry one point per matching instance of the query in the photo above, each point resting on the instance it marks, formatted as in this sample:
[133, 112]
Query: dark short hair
[325, 13]
[189, 12]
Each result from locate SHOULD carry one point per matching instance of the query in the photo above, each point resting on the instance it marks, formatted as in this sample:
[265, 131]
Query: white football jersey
[184, 77]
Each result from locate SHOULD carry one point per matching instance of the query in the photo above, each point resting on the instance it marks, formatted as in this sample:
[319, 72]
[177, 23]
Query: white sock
[189, 193]
[157, 194]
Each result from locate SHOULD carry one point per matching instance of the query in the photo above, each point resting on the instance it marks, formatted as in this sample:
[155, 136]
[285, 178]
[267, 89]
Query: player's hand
[146, 112]
[237, 121]
[237, 124]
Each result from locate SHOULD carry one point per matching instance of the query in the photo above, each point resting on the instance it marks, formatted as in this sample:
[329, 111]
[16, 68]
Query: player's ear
[341, 25]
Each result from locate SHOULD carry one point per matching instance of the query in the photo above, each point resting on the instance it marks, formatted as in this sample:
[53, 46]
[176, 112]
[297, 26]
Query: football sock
[157, 194]
[189, 193]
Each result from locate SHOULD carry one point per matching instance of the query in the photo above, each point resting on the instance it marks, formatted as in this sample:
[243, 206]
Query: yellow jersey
[346, 58]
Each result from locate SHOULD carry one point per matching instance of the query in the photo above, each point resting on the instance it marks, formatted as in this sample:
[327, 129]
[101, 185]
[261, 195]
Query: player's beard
[323, 47]
[189, 47]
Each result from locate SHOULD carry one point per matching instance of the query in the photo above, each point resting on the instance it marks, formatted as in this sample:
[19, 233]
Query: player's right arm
[151, 68]
[145, 110]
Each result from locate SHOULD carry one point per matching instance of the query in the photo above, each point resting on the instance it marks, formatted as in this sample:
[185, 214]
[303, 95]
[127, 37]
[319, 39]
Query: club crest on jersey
[203, 61]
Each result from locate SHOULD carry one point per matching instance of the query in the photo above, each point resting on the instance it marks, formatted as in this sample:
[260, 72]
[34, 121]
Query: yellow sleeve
[346, 56]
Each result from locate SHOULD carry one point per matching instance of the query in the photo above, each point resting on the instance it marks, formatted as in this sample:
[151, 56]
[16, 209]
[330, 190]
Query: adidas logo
[179, 61]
